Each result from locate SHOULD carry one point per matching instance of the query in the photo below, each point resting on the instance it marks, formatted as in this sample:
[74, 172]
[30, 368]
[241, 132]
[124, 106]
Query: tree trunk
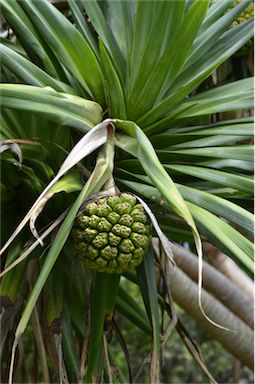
[239, 342]
[229, 268]
[224, 289]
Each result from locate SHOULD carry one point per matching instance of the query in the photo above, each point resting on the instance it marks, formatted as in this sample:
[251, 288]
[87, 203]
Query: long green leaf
[30, 73]
[103, 301]
[228, 165]
[54, 288]
[226, 237]
[170, 63]
[62, 108]
[114, 90]
[146, 277]
[14, 46]
[194, 75]
[143, 23]
[229, 125]
[120, 15]
[212, 203]
[71, 356]
[191, 141]
[99, 20]
[233, 96]
[221, 207]
[232, 164]
[27, 35]
[240, 152]
[129, 300]
[70, 47]
[10, 285]
[83, 25]
[215, 11]
[199, 136]
[240, 183]
[123, 307]
[207, 39]
[154, 22]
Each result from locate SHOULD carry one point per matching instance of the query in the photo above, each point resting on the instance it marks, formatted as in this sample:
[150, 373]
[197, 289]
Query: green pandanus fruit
[112, 234]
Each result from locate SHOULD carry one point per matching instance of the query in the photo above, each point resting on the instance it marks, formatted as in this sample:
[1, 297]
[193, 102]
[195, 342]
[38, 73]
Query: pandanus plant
[109, 137]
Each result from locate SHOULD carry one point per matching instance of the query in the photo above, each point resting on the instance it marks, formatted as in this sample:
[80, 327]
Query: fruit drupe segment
[112, 234]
